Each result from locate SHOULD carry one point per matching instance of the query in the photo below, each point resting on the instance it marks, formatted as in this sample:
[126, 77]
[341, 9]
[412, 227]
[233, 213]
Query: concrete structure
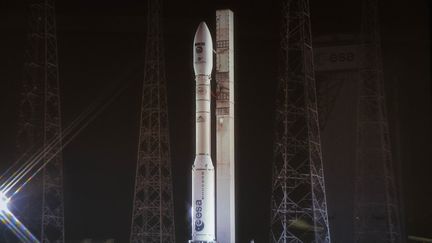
[225, 139]
[336, 76]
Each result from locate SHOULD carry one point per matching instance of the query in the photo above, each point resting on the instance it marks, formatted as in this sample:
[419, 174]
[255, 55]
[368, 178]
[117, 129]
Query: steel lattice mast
[376, 206]
[52, 200]
[40, 123]
[298, 205]
[153, 216]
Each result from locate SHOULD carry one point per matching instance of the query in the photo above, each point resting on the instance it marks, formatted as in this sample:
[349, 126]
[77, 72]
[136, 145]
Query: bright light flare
[8, 219]
[24, 172]
[19, 230]
[4, 201]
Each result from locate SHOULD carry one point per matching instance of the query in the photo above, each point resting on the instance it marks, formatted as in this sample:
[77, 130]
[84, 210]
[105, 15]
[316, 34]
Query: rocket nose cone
[202, 26]
[203, 50]
[202, 33]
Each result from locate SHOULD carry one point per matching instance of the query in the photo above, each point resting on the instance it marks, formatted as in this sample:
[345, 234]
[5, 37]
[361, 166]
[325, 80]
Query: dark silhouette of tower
[298, 205]
[376, 208]
[41, 202]
[153, 216]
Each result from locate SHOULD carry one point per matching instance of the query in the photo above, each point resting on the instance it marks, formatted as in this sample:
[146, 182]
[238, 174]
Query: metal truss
[376, 209]
[153, 216]
[41, 207]
[298, 205]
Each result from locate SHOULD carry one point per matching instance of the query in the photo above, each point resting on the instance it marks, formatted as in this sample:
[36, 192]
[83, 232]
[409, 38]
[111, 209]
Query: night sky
[101, 44]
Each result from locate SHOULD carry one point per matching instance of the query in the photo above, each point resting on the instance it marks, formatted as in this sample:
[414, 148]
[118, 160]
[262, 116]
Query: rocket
[203, 174]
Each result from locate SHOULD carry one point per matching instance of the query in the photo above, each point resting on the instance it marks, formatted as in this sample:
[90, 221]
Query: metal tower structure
[52, 177]
[298, 205]
[40, 124]
[376, 209]
[153, 216]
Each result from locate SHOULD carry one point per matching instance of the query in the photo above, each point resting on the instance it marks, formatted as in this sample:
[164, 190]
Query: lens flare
[3, 202]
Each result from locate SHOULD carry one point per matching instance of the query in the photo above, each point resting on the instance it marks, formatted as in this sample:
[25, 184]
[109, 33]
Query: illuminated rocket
[203, 174]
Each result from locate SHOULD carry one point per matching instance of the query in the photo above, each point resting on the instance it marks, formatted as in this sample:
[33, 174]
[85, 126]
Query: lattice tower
[376, 208]
[298, 205]
[40, 123]
[153, 216]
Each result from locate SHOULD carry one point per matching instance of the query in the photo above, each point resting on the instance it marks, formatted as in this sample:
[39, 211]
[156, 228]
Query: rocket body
[203, 174]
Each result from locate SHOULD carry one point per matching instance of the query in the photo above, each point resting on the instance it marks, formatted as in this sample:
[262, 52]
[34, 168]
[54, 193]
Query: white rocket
[203, 174]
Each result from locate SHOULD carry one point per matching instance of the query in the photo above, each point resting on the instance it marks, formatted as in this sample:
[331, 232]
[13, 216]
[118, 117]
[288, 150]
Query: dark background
[102, 43]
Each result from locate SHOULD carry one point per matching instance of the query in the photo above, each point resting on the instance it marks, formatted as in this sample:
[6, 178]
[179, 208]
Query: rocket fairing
[203, 174]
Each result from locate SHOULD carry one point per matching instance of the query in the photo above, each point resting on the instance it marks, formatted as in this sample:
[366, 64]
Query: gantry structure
[225, 128]
[153, 212]
[298, 202]
[376, 204]
[42, 207]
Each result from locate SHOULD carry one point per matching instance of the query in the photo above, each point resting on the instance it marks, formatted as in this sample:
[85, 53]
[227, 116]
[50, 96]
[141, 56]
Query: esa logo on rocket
[199, 50]
[199, 224]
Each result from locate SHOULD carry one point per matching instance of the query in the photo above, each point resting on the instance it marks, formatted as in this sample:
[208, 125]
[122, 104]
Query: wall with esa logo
[344, 57]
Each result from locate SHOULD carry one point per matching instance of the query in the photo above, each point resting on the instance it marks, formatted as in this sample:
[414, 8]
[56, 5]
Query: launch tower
[225, 141]
[153, 207]
[40, 123]
[376, 204]
[298, 203]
